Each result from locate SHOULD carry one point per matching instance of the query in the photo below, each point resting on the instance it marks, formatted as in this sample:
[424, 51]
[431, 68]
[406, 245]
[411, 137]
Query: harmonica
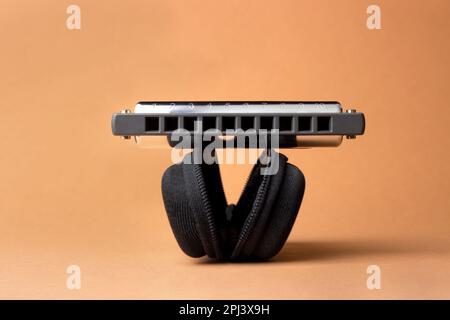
[300, 124]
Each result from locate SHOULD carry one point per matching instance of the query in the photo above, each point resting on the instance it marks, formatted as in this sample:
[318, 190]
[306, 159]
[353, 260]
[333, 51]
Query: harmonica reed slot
[209, 123]
[304, 124]
[286, 124]
[323, 124]
[247, 123]
[228, 123]
[170, 123]
[152, 124]
[266, 123]
[189, 123]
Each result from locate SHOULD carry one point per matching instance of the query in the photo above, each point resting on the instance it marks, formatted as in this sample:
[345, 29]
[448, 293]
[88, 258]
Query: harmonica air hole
[151, 123]
[286, 123]
[228, 123]
[304, 123]
[189, 123]
[266, 123]
[209, 123]
[247, 123]
[323, 124]
[170, 123]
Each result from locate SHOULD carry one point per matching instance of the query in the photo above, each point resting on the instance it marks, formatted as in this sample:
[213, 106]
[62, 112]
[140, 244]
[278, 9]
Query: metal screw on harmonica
[351, 136]
[125, 111]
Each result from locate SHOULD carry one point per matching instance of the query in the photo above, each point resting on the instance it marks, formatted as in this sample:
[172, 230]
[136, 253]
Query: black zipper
[250, 220]
[207, 208]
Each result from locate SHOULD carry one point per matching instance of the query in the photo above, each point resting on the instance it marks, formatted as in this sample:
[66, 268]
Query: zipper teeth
[247, 181]
[206, 206]
[250, 176]
[258, 201]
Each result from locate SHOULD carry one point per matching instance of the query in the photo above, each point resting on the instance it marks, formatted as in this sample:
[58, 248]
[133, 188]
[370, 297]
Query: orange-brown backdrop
[71, 193]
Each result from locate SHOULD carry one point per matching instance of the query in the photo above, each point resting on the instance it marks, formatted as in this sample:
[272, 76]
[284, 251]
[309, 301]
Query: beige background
[71, 193]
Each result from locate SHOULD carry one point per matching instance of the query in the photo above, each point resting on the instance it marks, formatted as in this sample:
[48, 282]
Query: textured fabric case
[256, 228]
